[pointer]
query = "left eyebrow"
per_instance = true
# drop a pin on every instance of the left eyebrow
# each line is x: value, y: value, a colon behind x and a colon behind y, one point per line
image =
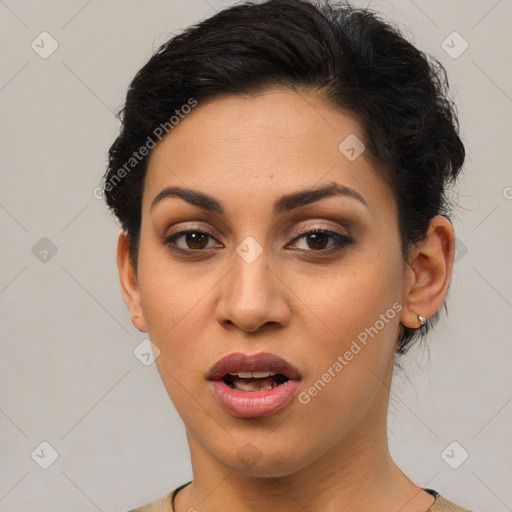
x: 303, y: 197
x: 283, y: 204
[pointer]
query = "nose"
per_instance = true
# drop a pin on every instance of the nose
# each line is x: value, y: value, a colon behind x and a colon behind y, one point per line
x: 252, y: 297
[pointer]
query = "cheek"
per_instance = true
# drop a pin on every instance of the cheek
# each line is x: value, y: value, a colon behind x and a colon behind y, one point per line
x: 175, y: 314
x: 350, y: 368
x: 351, y: 298
x: 169, y: 291
x: 360, y: 321
x: 177, y: 308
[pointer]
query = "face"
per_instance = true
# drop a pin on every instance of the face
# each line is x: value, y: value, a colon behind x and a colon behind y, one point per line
x: 317, y: 280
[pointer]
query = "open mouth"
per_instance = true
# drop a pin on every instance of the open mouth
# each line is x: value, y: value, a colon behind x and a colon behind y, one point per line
x: 254, y: 381
x: 253, y: 385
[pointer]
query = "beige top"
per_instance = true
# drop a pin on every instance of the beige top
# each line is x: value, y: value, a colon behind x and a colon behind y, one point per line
x: 167, y: 503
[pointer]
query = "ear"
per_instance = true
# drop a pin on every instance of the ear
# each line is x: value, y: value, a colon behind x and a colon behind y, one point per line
x: 129, y: 285
x: 428, y: 273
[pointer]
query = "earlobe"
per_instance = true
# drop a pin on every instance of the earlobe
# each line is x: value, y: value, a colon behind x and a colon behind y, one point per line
x: 428, y: 273
x: 129, y: 284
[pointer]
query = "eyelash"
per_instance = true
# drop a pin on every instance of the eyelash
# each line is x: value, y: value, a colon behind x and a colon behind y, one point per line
x: 343, y: 241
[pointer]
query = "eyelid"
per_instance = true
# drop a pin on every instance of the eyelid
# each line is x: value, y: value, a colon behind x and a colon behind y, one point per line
x: 307, y: 229
x: 170, y: 241
x: 341, y: 240
x: 185, y: 229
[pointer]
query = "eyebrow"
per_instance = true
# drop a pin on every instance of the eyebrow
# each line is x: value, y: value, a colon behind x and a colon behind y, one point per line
x: 283, y: 204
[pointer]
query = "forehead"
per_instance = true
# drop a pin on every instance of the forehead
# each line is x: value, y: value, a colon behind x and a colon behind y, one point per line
x: 248, y: 148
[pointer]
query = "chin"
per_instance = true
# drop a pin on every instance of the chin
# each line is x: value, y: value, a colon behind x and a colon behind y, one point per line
x: 255, y: 460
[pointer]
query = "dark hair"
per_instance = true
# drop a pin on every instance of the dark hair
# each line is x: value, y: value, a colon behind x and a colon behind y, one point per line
x: 350, y: 56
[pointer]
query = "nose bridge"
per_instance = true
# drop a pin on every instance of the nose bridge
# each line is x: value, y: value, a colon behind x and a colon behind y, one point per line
x: 251, y: 296
x: 250, y: 272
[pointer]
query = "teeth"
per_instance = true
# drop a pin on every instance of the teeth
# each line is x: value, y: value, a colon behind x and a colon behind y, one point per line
x: 254, y: 385
x: 253, y: 375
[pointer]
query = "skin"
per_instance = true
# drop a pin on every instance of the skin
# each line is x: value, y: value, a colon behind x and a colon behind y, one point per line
x: 295, y: 300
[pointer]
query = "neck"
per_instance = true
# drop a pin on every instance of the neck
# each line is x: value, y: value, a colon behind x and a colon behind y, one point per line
x: 356, y: 474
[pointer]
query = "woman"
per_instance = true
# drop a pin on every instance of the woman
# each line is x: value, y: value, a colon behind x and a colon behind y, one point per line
x: 281, y: 178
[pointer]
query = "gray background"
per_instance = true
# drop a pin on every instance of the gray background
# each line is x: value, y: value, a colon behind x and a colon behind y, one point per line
x: 69, y: 374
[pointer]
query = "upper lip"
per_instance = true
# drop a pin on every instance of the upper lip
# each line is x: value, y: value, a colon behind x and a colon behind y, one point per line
x: 260, y: 362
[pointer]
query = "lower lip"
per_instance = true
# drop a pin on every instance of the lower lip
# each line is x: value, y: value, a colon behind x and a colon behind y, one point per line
x: 254, y: 404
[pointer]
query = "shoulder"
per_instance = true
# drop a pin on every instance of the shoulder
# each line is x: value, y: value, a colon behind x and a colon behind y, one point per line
x: 161, y: 505
x: 443, y: 505
x: 164, y: 504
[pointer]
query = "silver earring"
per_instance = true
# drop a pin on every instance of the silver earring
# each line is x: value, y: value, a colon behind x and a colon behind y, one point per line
x: 422, y: 320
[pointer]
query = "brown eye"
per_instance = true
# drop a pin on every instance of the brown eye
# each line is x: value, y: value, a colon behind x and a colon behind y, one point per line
x: 317, y: 240
x: 322, y: 240
x: 195, y: 240
x: 189, y: 240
